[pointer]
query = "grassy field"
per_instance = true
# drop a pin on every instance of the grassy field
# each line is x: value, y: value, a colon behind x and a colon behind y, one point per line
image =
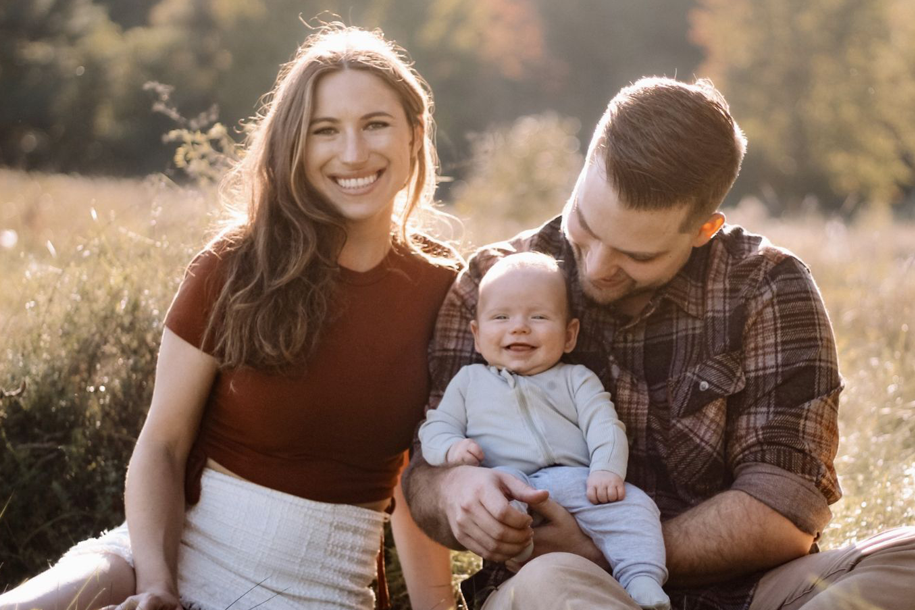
x: 89, y: 266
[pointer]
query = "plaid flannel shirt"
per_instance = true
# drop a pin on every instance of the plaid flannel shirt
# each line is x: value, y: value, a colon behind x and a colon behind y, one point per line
x: 728, y: 379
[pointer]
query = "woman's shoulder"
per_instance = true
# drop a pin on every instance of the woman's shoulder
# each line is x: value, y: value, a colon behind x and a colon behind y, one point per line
x: 210, y: 261
x: 438, y: 257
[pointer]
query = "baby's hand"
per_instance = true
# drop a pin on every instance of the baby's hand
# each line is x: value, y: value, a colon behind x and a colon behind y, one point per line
x: 464, y: 451
x: 604, y: 486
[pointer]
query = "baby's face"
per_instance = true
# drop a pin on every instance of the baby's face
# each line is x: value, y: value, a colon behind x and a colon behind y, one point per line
x: 522, y: 321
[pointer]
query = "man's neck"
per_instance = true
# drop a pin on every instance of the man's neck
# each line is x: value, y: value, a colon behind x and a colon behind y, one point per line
x: 633, y: 306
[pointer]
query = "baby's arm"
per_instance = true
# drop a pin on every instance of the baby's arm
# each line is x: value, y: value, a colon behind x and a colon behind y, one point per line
x: 446, y: 426
x: 605, y: 436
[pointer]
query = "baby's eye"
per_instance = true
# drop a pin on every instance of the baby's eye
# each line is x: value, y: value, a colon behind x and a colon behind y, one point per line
x: 500, y: 316
x: 539, y: 317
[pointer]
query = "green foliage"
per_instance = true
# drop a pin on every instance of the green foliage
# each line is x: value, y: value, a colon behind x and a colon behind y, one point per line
x: 519, y: 176
x: 827, y: 110
x: 77, y: 367
x: 85, y: 350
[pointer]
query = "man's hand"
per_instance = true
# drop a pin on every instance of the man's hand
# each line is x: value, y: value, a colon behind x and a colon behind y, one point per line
x: 560, y: 532
x: 479, y: 513
x: 465, y: 451
x: 605, y: 486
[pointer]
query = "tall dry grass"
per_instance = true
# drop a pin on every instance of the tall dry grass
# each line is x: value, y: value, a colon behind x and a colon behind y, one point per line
x: 84, y: 294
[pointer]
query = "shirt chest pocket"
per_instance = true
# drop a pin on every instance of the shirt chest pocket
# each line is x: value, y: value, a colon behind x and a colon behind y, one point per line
x: 698, y: 424
x: 718, y: 377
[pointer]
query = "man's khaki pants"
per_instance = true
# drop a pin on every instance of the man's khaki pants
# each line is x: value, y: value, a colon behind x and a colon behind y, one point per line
x: 876, y: 574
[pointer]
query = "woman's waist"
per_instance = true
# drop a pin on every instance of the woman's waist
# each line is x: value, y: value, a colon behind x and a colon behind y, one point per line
x: 376, y: 505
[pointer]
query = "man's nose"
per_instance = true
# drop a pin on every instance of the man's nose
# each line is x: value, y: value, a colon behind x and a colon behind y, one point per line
x: 601, y: 263
x: 355, y: 149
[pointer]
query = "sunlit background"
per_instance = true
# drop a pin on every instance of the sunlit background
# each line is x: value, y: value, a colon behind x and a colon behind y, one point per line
x: 117, y: 118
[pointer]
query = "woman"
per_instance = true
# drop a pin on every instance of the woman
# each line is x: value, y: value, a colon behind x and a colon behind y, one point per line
x: 292, y: 370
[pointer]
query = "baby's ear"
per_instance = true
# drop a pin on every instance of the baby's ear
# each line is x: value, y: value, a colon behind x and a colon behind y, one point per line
x: 572, y: 334
x: 475, y: 329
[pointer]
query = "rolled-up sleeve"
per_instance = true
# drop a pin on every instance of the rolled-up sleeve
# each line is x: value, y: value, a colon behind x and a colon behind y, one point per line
x: 784, y: 437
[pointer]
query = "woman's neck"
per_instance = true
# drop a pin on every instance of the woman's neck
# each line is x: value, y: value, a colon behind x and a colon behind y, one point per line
x: 364, y: 250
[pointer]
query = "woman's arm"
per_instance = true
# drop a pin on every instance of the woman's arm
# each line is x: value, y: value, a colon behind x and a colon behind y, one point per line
x: 426, y: 564
x: 155, y: 477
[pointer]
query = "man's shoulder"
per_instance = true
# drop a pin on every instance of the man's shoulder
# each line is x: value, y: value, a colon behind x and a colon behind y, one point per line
x: 742, y: 259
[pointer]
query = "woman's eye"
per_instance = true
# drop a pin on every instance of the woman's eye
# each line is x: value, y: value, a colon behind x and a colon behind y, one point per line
x: 374, y: 125
x: 323, y: 131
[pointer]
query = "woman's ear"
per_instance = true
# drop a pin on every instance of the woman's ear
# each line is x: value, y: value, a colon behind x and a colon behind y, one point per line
x: 417, y: 143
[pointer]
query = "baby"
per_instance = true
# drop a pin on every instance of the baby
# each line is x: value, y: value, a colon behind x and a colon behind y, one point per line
x: 550, y: 424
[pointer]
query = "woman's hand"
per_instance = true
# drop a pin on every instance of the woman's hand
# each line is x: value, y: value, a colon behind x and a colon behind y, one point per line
x: 154, y: 599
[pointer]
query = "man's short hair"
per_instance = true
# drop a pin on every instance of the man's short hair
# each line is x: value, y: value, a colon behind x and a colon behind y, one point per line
x: 665, y: 143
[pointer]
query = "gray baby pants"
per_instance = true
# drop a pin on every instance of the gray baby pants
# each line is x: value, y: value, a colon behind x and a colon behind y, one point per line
x: 628, y: 531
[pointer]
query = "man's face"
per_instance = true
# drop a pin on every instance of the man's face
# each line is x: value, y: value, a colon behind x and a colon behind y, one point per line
x: 624, y: 255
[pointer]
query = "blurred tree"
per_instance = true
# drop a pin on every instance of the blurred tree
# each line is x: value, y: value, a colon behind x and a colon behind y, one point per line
x: 52, y: 72
x: 128, y: 14
x: 520, y: 176
x: 603, y: 45
x: 487, y: 61
x: 828, y: 110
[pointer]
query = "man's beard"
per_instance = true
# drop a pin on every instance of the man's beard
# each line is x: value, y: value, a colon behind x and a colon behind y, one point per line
x: 609, y: 294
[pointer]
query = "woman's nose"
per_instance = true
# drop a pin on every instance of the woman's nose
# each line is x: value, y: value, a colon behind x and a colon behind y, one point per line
x: 355, y: 149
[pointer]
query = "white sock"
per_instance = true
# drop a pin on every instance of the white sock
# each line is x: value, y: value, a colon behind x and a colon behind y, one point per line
x: 648, y: 594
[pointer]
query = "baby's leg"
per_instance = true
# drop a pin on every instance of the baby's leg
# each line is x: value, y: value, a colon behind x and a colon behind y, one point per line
x: 519, y: 505
x: 628, y: 532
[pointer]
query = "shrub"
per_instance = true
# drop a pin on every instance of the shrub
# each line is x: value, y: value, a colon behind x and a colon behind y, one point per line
x: 83, y: 355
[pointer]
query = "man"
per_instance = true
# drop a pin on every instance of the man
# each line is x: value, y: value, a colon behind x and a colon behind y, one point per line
x: 718, y: 352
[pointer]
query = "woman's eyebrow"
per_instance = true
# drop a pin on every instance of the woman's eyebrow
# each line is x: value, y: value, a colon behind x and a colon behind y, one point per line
x: 365, y: 117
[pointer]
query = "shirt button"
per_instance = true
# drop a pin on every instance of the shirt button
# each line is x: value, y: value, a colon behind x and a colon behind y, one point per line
x: 703, y: 386
x: 615, y: 371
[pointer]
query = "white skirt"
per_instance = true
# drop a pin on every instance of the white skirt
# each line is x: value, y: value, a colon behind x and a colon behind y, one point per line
x: 244, y: 545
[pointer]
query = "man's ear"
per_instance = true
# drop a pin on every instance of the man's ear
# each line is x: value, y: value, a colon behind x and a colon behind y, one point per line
x: 571, y: 334
x: 708, y: 229
x: 475, y: 329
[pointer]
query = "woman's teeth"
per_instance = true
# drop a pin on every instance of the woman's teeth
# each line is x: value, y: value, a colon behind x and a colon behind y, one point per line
x: 357, y: 183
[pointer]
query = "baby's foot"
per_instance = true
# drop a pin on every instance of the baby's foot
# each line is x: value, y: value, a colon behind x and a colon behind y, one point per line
x: 648, y: 594
x: 525, y: 554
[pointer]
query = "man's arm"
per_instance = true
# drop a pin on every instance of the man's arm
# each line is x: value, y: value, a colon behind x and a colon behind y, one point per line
x: 727, y: 536
x: 467, y: 507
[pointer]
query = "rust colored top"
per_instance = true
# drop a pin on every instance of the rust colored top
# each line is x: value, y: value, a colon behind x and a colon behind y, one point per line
x: 336, y: 430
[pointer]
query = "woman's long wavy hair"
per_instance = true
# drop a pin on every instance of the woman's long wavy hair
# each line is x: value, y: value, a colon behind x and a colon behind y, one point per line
x: 280, y: 253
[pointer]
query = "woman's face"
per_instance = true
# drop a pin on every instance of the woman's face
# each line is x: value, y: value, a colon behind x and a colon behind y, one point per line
x: 359, y: 147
